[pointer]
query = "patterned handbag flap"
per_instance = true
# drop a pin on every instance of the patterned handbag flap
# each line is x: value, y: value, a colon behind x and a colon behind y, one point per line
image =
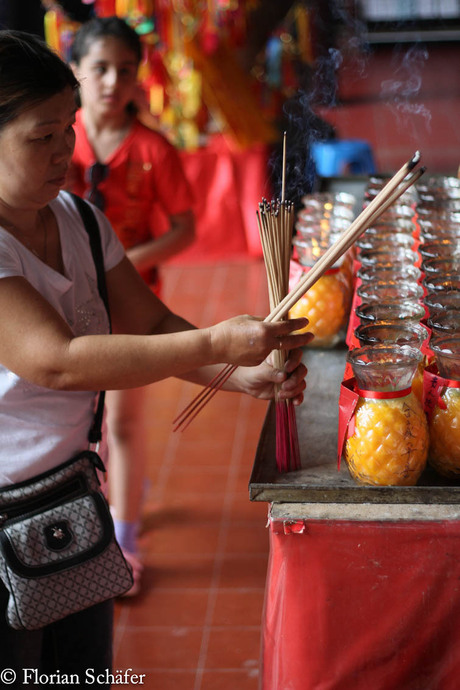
x: 57, y: 538
x: 85, y: 463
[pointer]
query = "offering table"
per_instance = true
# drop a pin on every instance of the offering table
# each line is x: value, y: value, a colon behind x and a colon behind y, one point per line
x: 363, y: 585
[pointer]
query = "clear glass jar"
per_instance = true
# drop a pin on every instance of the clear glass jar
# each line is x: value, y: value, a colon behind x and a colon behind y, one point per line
x: 445, y: 267
x: 322, y: 203
x: 446, y: 322
x: 440, y: 283
x: 377, y: 182
x: 433, y: 203
x: 442, y: 249
x: 400, y: 225
x: 442, y: 186
x: 377, y: 291
x: 440, y: 301
x: 310, y: 250
x: 389, y: 442
x: 389, y: 274
x: 435, y: 229
x: 400, y: 257
x: 414, y: 335
x: 396, y: 211
x: 444, y: 424
x: 402, y: 312
x: 327, y: 303
x: 386, y: 242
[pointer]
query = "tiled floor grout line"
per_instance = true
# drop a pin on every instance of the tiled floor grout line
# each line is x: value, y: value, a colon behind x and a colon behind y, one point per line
x: 119, y: 630
x: 183, y: 399
x: 240, y: 430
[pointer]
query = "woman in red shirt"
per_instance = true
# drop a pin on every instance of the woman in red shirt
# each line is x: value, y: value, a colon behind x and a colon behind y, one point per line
x: 135, y: 176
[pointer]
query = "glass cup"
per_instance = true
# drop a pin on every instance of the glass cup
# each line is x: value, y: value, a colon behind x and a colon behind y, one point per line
x: 412, y: 334
x: 386, y: 242
x: 444, y: 267
x: 400, y: 257
x: 402, y: 312
x: 437, y: 302
x: 378, y: 291
x: 440, y: 283
x: 389, y: 274
x: 399, y: 225
x: 435, y: 229
x: 442, y: 249
x: 396, y: 211
x: 389, y: 442
x: 442, y: 186
x: 444, y: 425
x: 434, y: 203
x: 445, y: 322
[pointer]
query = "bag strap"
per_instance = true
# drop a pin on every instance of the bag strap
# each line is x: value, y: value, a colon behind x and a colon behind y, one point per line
x: 92, y: 228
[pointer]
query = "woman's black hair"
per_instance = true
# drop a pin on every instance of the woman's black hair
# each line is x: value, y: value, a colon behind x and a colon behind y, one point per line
x: 30, y: 72
x: 100, y: 27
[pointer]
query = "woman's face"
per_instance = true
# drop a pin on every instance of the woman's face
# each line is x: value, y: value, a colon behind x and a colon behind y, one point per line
x: 35, y: 152
x: 107, y: 76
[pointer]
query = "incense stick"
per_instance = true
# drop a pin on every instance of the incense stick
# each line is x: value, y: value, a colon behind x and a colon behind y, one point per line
x: 396, y: 186
x: 275, y: 222
x: 283, y: 175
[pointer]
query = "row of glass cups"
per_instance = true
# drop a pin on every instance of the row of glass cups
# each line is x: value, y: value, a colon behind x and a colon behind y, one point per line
x: 398, y: 287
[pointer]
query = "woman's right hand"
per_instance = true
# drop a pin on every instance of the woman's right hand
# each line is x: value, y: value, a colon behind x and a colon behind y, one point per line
x: 247, y: 340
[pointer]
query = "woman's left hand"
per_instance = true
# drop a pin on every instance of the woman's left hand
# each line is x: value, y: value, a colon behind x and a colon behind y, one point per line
x: 260, y: 381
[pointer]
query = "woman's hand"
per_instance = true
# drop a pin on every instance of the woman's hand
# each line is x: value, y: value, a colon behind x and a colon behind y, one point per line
x: 247, y: 341
x: 261, y: 381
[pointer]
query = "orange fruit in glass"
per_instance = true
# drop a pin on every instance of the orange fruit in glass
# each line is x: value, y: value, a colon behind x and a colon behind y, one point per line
x: 389, y: 444
x: 445, y: 435
x: 417, y: 382
x: 326, y: 305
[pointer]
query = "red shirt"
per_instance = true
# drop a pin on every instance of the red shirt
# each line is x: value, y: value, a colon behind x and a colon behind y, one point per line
x: 145, y: 184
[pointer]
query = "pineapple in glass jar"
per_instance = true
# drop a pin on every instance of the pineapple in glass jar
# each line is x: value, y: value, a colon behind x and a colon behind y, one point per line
x: 327, y: 305
x: 444, y: 425
x: 388, y: 443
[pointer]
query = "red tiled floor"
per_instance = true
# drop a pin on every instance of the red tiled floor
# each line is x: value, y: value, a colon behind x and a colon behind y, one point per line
x: 233, y: 647
x: 223, y: 680
x: 159, y: 647
x: 231, y: 607
x: 205, y: 560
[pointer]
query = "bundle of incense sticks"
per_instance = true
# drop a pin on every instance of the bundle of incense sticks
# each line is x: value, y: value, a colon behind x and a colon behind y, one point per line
x: 397, y: 185
x: 275, y: 221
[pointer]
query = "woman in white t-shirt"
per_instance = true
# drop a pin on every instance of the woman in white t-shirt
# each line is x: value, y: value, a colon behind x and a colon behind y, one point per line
x: 55, y: 350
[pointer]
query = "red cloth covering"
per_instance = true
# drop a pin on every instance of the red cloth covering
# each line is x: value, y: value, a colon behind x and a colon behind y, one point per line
x: 362, y: 606
x: 228, y: 184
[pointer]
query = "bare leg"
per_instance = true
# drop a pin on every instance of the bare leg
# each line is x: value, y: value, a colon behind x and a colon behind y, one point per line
x: 127, y: 461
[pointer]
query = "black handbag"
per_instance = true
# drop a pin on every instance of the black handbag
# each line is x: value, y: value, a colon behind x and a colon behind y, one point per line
x: 58, y: 552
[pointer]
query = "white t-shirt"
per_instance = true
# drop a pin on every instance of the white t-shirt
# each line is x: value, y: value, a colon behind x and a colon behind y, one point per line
x: 39, y: 427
